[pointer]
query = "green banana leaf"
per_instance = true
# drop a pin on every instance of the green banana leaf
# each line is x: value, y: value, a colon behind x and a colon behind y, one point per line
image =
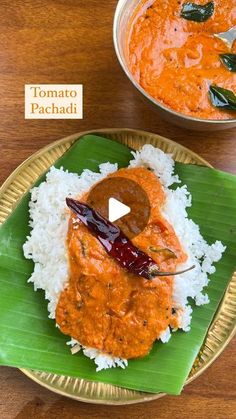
x: 29, y: 339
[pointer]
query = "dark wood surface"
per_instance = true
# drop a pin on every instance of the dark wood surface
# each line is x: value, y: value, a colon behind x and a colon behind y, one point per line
x: 58, y: 41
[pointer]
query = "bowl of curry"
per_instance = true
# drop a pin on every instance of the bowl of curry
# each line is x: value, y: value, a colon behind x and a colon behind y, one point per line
x: 181, y: 57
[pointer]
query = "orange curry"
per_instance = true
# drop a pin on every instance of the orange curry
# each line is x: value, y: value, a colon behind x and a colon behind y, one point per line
x: 106, y: 307
x: 175, y: 60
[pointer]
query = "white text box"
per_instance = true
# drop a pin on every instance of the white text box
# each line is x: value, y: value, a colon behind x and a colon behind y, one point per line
x: 53, y: 101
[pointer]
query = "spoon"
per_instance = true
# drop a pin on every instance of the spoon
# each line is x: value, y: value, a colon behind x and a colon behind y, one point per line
x: 228, y: 37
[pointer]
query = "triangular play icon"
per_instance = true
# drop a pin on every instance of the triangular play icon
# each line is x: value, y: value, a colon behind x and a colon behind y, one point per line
x: 116, y: 209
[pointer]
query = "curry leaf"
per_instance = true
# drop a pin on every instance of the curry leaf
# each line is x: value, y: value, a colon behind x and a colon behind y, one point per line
x: 197, y: 12
x: 229, y: 61
x: 222, y: 98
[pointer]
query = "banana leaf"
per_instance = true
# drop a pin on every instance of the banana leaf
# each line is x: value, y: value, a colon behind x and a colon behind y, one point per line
x: 29, y: 339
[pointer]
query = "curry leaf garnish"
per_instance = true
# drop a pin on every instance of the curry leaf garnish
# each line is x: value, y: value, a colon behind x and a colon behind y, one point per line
x: 229, y: 61
x: 197, y: 12
x: 222, y: 98
x: 165, y: 252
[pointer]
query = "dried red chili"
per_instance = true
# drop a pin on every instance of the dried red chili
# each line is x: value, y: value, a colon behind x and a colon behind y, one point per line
x: 116, y: 243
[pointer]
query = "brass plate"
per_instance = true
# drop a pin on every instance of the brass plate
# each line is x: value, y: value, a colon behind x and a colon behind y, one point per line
x: 222, y: 327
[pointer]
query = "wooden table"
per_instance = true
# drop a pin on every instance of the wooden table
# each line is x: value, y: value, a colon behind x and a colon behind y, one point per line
x: 58, y: 41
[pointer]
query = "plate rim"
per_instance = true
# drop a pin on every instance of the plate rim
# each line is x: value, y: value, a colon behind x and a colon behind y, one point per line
x: 77, y: 135
x: 106, y: 132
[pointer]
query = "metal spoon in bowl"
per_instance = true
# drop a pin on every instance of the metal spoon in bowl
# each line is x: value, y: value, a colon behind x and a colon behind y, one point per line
x: 228, y: 37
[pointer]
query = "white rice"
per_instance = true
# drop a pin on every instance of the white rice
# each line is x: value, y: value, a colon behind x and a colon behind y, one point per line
x: 49, y: 222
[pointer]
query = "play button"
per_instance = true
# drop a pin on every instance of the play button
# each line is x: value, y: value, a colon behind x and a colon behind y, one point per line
x: 123, y: 202
x: 116, y: 210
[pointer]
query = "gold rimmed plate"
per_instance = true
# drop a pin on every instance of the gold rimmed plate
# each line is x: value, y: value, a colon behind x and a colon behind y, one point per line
x: 222, y: 327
